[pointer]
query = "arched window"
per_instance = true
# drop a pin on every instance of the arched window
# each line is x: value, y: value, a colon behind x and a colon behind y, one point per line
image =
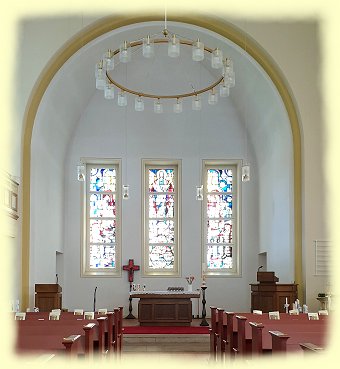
x: 161, y: 189
x: 221, y: 246
x: 102, y: 219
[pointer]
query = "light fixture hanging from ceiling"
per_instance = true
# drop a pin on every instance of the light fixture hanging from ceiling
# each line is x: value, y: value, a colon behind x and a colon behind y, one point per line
x: 81, y: 172
x: 105, y: 81
x: 245, y: 170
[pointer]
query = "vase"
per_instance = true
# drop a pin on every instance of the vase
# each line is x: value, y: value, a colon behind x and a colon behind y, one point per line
x: 190, y: 287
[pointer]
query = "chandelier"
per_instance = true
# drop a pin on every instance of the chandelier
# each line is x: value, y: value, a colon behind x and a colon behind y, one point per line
x: 174, y: 43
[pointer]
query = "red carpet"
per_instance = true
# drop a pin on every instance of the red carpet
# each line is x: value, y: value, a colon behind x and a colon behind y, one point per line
x: 166, y: 330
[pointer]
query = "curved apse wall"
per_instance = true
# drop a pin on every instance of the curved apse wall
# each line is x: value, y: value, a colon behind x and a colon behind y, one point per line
x: 95, y: 129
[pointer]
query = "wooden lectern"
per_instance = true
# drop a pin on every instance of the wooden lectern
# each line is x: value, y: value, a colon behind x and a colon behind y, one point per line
x: 267, y: 295
x: 47, y: 297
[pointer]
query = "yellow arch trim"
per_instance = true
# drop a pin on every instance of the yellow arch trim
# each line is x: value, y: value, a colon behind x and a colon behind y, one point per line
x: 110, y: 23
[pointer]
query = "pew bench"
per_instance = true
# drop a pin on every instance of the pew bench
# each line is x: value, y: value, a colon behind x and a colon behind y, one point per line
x: 102, y: 335
x: 265, y: 336
x: 311, y: 348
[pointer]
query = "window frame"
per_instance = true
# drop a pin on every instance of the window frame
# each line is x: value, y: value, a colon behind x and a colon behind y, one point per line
x: 86, y: 271
x: 234, y: 164
x: 161, y: 164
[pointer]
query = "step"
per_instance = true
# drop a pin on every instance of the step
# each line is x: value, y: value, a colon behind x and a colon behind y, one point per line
x: 165, y: 338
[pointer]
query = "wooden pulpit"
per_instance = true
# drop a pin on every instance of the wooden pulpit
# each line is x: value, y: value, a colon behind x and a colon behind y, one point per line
x: 267, y: 295
x: 48, y: 296
x: 267, y: 277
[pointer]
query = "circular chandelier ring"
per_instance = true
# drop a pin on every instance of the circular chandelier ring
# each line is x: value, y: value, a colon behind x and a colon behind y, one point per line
x: 177, y: 96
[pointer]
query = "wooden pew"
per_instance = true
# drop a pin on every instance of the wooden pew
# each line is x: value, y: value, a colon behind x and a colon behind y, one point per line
x: 116, y: 333
x: 213, y: 333
x: 244, y: 342
x: 40, y: 334
x: 72, y: 344
x: 89, y: 339
x: 266, y: 336
x: 103, y: 333
x: 311, y: 348
x: 279, y: 342
x: 221, y: 335
x: 299, y: 328
x: 120, y: 329
x: 231, y: 335
x: 102, y: 328
x: 228, y: 347
x: 110, y: 331
x: 278, y: 345
x: 256, y: 341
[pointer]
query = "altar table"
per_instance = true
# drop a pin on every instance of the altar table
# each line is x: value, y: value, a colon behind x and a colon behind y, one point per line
x: 164, y: 308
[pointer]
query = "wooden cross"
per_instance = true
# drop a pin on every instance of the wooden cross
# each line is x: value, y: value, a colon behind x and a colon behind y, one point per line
x: 130, y: 268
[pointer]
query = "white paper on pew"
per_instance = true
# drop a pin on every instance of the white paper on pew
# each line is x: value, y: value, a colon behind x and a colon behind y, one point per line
x: 41, y: 319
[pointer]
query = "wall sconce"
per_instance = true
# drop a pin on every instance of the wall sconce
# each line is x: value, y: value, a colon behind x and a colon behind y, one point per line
x: 199, y: 193
x: 81, y: 173
x: 125, y: 192
x: 245, y: 173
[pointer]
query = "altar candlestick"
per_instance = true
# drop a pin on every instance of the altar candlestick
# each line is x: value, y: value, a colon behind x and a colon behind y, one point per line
x: 203, y: 270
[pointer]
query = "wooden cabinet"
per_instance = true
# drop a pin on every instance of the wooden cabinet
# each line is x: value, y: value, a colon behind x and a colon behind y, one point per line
x: 48, y: 297
x: 267, y: 295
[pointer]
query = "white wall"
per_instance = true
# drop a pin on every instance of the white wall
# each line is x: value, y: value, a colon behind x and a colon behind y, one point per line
x: 299, y: 61
x: 101, y: 133
x: 297, y: 49
x: 47, y: 197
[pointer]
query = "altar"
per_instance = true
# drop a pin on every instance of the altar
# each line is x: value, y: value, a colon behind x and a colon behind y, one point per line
x: 164, y: 308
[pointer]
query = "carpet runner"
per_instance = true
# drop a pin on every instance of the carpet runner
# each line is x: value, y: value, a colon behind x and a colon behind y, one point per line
x: 165, y: 330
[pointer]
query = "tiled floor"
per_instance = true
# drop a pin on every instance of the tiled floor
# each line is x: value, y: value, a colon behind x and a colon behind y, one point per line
x: 161, y: 346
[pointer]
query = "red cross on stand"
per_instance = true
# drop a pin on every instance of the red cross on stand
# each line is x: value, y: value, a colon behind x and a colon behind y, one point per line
x: 130, y: 268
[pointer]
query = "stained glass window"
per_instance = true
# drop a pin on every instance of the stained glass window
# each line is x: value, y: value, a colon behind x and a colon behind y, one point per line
x: 161, y: 206
x: 220, y: 218
x: 219, y: 180
x: 103, y: 179
x: 161, y: 218
x: 103, y: 220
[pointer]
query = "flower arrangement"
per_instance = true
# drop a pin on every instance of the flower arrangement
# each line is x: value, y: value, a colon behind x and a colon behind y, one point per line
x: 190, y: 279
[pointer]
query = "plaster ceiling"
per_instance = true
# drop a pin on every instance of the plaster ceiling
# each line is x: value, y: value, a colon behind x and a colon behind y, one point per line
x: 73, y: 87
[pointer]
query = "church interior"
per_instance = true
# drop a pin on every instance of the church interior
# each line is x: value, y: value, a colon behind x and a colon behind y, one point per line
x: 265, y: 134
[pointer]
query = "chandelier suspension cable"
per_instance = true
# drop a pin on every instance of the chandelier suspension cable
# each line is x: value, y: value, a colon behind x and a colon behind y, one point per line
x: 246, y: 167
x: 126, y: 186
x: 126, y: 135
x: 199, y: 187
x: 246, y: 102
x: 165, y: 19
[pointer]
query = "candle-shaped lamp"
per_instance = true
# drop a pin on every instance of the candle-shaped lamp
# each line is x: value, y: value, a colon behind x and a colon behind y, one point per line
x: 203, y: 273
